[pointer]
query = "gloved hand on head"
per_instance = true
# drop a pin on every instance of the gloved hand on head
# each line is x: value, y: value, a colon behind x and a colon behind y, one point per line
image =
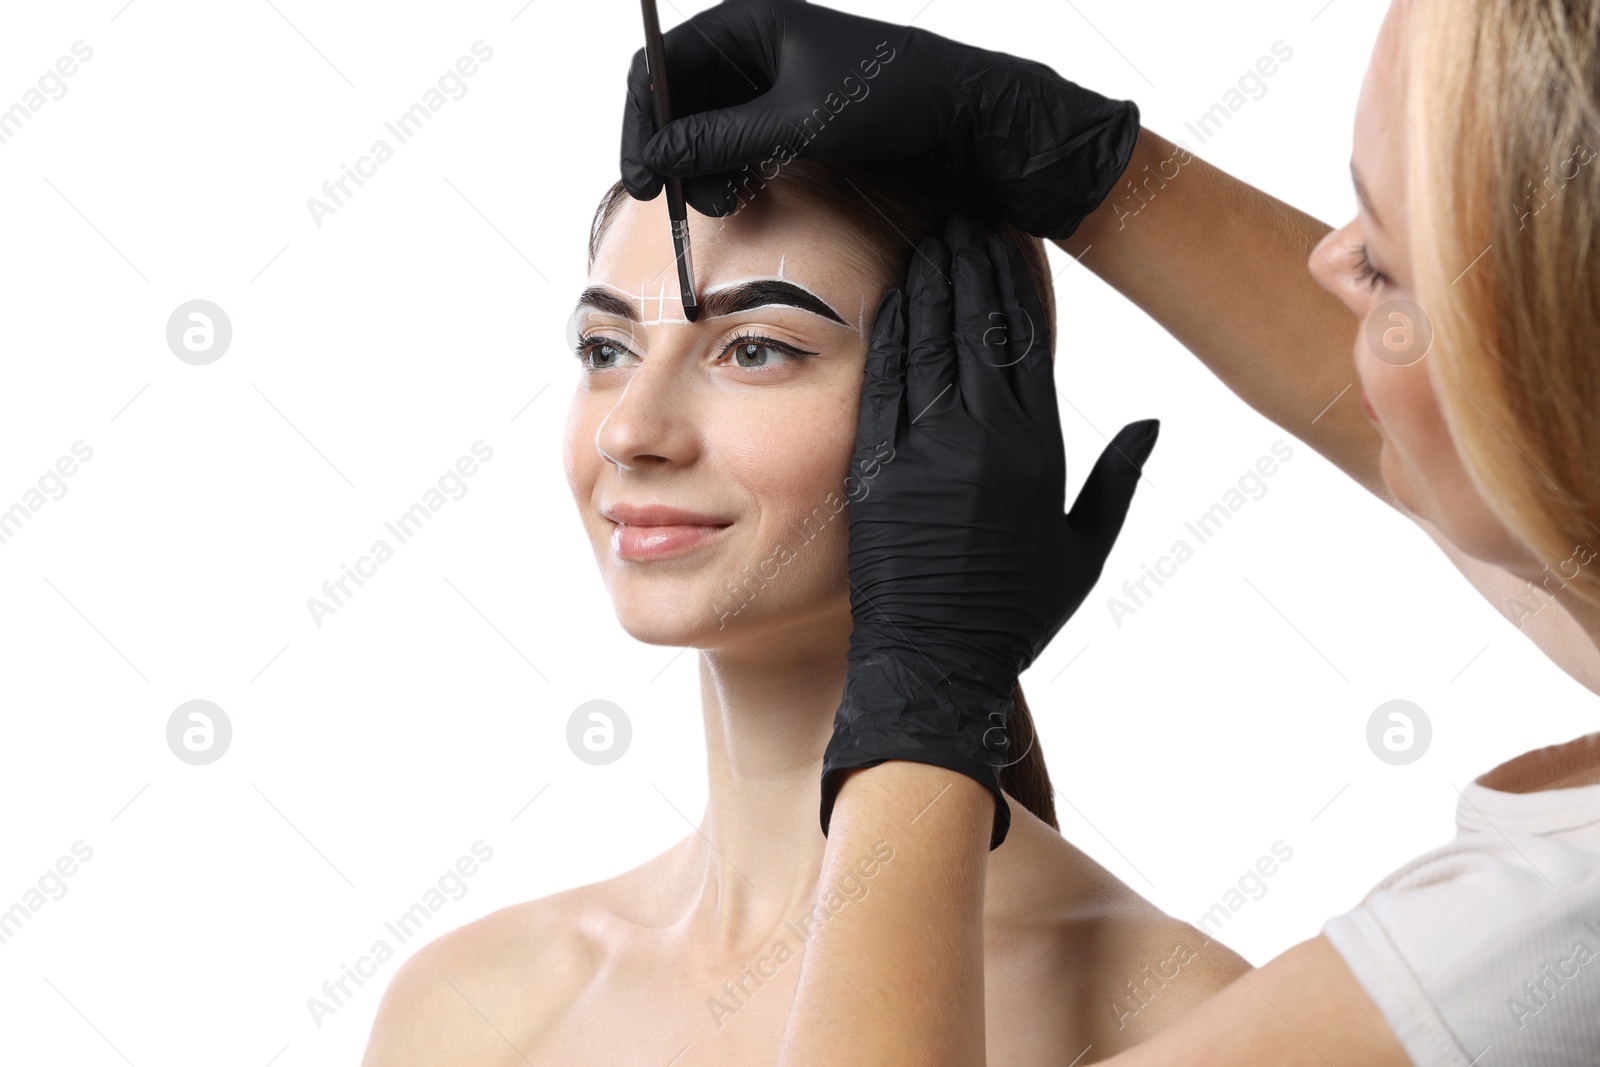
x: 768, y: 80
x: 963, y: 564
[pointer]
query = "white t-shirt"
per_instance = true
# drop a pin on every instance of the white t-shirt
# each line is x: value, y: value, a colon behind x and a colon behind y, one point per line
x: 1486, y: 952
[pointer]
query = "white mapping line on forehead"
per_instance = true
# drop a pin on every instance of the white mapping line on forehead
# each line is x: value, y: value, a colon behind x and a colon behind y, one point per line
x: 598, y: 297
x: 661, y: 302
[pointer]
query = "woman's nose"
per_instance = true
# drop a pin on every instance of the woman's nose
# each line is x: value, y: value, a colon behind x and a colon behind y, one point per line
x: 654, y: 420
x: 1324, y: 264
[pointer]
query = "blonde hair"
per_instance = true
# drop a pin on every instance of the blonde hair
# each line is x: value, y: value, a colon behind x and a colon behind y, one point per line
x: 1503, y: 123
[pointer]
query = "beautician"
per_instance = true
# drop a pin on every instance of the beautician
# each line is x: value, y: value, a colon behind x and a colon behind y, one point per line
x: 1478, y: 417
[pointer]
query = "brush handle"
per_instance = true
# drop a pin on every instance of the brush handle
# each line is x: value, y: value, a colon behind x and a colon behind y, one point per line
x: 655, y: 57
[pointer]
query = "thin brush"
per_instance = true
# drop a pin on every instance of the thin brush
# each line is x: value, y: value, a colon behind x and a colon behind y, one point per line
x: 655, y: 54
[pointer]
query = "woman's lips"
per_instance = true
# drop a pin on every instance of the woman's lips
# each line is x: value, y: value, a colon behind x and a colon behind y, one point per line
x: 1366, y: 405
x: 660, y: 542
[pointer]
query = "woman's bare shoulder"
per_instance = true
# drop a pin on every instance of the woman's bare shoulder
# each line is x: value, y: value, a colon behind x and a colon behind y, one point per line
x: 1132, y: 968
x: 494, y: 989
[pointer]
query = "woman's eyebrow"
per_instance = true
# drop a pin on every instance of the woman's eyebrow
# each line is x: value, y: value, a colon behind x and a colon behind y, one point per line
x: 604, y: 300
x: 727, y: 299
x: 1361, y: 194
x: 764, y: 292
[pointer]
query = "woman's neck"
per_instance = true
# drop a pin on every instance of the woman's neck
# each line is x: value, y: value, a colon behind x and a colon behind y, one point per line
x: 1584, y: 644
x: 1577, y: 762
x: 768, y: 706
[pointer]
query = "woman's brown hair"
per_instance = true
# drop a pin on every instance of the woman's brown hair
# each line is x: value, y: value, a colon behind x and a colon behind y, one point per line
x: 890, y: 207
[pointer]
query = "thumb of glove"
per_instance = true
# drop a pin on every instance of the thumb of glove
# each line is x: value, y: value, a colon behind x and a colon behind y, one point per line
x: 1102, y: 505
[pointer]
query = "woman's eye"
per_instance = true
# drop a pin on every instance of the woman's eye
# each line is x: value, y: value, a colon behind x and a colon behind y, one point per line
x: 1367, y: 272
x: 753, y: 354
x: 758, y: 353
x: 596, y: 353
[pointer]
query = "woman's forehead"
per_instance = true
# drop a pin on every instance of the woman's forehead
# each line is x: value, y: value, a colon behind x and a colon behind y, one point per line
x: 788, y: 240
x: 1379, y: 143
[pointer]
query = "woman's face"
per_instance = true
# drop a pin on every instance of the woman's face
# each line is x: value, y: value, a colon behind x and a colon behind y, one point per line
x: 1419, y: 459
x: 753, y: 437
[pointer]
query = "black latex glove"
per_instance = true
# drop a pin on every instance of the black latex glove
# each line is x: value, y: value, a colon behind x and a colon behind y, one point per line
x: 749, y: 76
x: 963, y: 565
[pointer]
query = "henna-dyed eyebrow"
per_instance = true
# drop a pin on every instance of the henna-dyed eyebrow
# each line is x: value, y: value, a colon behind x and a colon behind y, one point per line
x: 607, y: 301
x: 762, y: 293
x: 729, y: 300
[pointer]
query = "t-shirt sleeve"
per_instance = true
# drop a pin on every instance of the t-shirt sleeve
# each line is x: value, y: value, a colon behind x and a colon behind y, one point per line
x: 1485, y: 953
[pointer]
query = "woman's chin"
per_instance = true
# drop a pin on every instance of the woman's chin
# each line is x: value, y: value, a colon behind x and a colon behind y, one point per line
x: 1461, y: 517
x: 1394, y: 476
x: 675, y: 617
x: 669, y: 632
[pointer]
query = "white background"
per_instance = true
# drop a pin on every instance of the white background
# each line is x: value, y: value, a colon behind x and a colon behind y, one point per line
x: 427, y: 314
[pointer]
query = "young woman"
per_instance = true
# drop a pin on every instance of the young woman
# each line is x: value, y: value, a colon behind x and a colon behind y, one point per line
x: 712, y: 466
x: 1469, y: 283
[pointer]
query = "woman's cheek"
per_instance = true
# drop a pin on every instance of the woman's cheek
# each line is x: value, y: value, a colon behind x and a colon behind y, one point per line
x: 798, y: 458
x: 572, y: 438
x: 580, y: 450
x: 1404, y: 415
x: 1433, y: 479
x: 791, y: 455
